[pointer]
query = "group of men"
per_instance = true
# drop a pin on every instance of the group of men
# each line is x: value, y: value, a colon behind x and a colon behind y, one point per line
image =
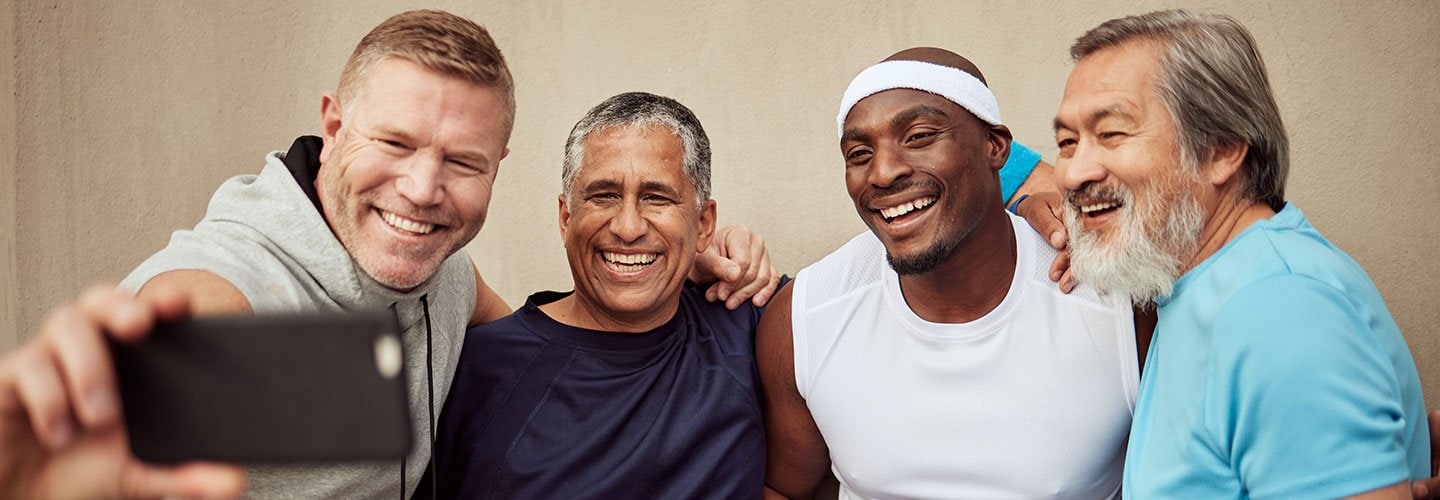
x: 932, y: 356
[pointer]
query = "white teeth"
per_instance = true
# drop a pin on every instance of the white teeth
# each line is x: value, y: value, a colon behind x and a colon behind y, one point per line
x: 628, y: 263
x: 907, y: 207
x: 406, y: 225
x: 1098, y: 207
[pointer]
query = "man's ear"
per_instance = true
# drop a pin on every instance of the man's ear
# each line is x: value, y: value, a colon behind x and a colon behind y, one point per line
x: 1224, y: 163
x: 707, y: 226
x: 999, y: 143
x: 330, y: 122
x: 564, y: 217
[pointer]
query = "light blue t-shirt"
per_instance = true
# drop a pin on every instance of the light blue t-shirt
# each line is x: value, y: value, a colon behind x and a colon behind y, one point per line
x: 1018, y: 165
x: 1276, y: 372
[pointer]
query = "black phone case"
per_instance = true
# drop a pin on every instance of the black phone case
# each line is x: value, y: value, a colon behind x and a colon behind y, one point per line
x: 265, y: 389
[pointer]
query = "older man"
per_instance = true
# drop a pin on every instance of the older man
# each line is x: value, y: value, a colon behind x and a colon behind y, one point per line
x: 370, y: 215
x: 632, y: 385
x: 1276, y: 370
x: 931, y: 357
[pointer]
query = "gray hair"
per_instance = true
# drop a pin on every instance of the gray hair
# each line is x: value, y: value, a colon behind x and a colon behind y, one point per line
x: 641, y: 109
x: 1215, y: 87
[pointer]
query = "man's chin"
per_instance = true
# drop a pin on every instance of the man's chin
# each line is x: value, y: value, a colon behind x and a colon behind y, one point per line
x: 400, y: 277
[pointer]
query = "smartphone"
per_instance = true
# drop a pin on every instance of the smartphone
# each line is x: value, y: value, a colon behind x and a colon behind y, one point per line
x: 267, y: 389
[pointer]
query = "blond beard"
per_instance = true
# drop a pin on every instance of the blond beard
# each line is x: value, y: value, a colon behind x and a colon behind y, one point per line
x: 1150, y: 245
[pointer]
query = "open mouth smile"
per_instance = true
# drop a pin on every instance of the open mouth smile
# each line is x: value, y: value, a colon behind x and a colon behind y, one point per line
x: 1099, y: 208
x: 626, y: 263
x: 891, y: 214
x: 406, y: 225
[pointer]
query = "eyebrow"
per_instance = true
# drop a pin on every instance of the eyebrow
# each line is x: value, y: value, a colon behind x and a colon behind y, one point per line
x: 408, y: 138
x: 645, y: 186
x: 898, y: 122
x: 910, y: 115
x: 601, y: 185
x: 1118, y: 111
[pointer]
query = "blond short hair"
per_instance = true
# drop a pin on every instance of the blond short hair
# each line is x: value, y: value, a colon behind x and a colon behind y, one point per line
x: 439, y: 41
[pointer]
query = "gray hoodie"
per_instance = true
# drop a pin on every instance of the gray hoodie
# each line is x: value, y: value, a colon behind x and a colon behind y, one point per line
x: 264, y: 234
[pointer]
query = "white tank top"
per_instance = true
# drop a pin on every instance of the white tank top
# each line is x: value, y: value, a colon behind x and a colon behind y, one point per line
x: 1033, y: 400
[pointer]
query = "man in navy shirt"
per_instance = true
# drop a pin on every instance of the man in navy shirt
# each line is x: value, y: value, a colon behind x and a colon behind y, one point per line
x: 632, y: 385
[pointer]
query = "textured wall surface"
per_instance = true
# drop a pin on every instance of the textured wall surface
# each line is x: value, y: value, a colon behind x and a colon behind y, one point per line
x: 9, y: 321
x: 130, y: 113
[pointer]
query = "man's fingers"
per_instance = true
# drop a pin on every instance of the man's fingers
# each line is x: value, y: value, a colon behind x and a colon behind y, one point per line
x: 1059, y: 266
x: 769, y: 290
x: 1041, y: 211
x: 42, y: 395
x: 756, y: 283
x: 1067, y: 282
x: 196, y: 480
x: 711, y: 265
x: 117, y: 312
x: 738, y: 248
x: 168, y: 304
x: 77, y: 344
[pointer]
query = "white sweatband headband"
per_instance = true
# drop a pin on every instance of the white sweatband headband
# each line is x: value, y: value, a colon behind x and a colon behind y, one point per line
x: 958, y: 86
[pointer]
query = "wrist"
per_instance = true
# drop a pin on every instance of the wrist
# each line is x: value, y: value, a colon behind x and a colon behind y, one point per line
x: 1014, y: 207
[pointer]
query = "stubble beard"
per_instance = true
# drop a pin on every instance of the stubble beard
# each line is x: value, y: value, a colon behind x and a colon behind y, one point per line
x: 1151, y: 245
x: 368, y: 255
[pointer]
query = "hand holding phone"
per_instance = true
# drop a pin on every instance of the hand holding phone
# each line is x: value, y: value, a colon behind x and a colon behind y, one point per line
x: 319, y: 387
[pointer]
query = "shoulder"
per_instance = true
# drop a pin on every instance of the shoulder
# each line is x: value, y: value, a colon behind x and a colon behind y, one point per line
x: 735, y: 327
x: 857, y: 264
x: 1281, y: 310
x: 1033, y: 267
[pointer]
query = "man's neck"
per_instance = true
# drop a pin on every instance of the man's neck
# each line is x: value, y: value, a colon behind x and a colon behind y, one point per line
x: 973, y: 281
x: 574, y: 310
x: 1228, y: 220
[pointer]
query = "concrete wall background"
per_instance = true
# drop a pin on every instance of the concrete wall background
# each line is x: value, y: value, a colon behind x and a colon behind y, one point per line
x: 128, y: 114
x: 9, y: 320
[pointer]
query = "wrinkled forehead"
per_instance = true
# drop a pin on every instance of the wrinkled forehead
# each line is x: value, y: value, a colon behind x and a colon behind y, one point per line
x: 640, y: 154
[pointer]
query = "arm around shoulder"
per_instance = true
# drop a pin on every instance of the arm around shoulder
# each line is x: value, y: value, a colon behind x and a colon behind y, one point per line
x: 796, y: 456
x: 488, y: 304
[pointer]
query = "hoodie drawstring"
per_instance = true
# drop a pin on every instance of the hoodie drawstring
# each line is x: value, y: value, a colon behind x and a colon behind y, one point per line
x: 430, y: 396
x: 430, y: 402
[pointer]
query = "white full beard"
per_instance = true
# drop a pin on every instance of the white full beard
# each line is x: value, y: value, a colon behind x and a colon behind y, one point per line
x: 1141, y: 261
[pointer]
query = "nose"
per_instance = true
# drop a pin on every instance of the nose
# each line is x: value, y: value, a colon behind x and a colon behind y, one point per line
x: 887, y: 167
x: 1083, y: 166
x: 421, y: 180
x: 629, y: 225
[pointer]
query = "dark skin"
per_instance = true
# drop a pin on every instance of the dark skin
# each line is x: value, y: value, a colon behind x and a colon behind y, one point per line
x: 900, y: 145
x: 908, y: 138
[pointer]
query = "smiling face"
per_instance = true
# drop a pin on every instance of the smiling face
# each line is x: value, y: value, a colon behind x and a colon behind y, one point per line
x: 922, y: 173
x: 407, y: 170
x: 1133, y: 210
x: 632, y: 228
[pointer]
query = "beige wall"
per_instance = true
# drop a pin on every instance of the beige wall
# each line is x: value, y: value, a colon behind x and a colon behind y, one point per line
x: 9, y: 333
x: 129, y: 113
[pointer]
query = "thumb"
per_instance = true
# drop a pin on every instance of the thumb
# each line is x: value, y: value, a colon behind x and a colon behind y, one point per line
x: 194, y: 480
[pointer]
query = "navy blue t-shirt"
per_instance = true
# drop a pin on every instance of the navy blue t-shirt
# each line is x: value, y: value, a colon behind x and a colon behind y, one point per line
x: 539, y: 409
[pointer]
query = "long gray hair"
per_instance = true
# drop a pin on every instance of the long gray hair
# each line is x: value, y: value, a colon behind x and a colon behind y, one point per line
x: 1214, y: 84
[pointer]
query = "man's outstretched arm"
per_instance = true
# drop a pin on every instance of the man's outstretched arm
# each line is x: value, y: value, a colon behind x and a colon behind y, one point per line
x: 796, y: 458
x: 60, y: 417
